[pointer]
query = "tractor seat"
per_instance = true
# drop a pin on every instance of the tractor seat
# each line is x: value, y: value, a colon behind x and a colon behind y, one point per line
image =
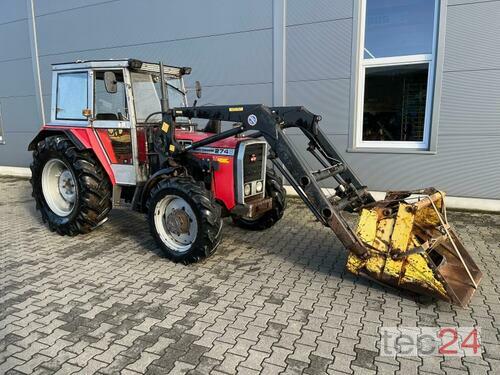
x: 106, y: 116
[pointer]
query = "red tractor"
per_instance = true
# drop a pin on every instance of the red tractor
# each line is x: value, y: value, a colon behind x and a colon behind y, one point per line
x: 106, y: 142
x: 122, y: 130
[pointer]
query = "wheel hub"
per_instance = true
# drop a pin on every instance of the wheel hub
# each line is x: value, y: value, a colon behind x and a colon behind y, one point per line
x: 178, y: 222
x: 67, y: 186
x: 59, y: 187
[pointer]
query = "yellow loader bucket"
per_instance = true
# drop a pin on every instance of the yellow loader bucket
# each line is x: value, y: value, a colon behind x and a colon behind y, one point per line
x: 413, y: 247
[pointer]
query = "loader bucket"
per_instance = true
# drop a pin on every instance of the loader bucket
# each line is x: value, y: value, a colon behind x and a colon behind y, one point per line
x: 412, y: 246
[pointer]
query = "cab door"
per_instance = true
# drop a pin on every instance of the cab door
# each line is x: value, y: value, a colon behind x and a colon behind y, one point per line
x: 113, y: 122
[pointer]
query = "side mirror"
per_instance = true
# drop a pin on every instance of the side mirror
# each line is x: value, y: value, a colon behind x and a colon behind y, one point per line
x: 197, y: 88
x: 110, y: 82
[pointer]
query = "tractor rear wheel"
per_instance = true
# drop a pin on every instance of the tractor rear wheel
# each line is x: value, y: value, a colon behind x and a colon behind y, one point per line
x: 70, y: 187
x: 184, y: 219
x: 275, y: 190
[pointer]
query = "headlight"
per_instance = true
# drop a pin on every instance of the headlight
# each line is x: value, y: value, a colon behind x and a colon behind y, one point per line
x: 248, y: 189
x: 258, y: 186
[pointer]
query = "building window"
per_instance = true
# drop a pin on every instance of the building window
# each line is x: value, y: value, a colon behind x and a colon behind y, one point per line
x: 398, y: 41
x: 72, y: 96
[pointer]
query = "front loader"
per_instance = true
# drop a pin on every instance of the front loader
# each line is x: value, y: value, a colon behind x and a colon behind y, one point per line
x: 404, y: 241
x: 149, y: 152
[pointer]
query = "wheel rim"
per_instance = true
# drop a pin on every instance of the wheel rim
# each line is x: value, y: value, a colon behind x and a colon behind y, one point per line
x: 175, y: 223
x: 59, y: 187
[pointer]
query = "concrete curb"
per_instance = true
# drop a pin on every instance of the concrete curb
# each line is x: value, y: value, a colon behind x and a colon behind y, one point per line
x: 15, y: 172
x: 456, y: 203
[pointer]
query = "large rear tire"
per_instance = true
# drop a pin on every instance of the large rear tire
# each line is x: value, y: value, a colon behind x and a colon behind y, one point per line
x: 70, y: 187
x: 275, y: 190
x: 184, y: 219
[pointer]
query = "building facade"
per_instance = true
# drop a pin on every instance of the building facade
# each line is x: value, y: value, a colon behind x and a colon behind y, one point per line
x: 409, y: 90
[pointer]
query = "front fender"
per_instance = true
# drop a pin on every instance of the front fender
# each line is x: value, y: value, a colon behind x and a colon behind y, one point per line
x: 150, y: 183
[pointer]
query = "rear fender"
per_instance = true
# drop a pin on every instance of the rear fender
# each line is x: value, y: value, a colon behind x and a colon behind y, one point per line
x: 82, y: 139
x: 44, y: 133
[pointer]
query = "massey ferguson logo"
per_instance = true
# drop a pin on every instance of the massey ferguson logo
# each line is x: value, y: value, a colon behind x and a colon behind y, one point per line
x: 253, y: 158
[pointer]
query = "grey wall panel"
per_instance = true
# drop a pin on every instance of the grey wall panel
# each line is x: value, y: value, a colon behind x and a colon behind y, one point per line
x: 472, y: 33
x: 319, y: 50
x: 20, y: 114
x: 16, y: 78
x: 219, y: 60
x: 12, y: 10
x: 462, y: 2
x: 14, y: 40
x: 470, y: 103
x: 47, y: 102
x: 244, y: 94
x: 328, y: 98
x: 300, y: 11
x: 476, y: 175
x: 14, y: 152
x: 130, y: 22
x: 52, y: 6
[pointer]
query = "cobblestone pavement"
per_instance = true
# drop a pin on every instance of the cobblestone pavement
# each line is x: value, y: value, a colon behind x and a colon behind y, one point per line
x: 266, y: 302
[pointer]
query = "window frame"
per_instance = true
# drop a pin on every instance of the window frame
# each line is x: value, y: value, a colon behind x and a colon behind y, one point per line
x: 57, y: 96
x: 125, y: 93
x: 53, y: 110
x: 363, y: 64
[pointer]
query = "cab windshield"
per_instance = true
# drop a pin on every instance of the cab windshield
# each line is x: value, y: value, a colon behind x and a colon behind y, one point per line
x: 147, y: 93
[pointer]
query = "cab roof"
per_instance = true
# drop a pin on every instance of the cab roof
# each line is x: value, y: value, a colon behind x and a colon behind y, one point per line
x: 132, y: 64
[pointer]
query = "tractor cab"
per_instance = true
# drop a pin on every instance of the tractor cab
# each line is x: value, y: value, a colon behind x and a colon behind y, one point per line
x: 119, y: 99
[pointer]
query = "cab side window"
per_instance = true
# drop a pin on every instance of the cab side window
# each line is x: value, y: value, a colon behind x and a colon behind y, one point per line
x: 110, y: 106
x: 71, y: 96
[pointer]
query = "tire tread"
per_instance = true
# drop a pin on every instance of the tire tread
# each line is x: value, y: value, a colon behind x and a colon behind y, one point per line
x: 93, y: 183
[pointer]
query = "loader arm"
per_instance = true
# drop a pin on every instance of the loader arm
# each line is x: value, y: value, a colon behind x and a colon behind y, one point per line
x: 270, y: 124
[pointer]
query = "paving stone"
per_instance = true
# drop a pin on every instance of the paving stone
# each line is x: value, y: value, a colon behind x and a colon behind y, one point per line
x: 229, y: 363
x: 57, y: 361
x: 218, y: 350
x: 109, y: 355
x: 143, y: 362
x: 67, y: 369
x: 160, y: 346
x: 92, y: 367
x: 82, y: 359
x: 29, y: 366
x: 33, y: 349
x: 254, y: 360
x: 9, y: 363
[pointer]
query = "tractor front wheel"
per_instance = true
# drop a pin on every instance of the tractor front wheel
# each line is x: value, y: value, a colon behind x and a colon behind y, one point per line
x: 275, y: 190
x: 70, y: 187
x: 184, y: 219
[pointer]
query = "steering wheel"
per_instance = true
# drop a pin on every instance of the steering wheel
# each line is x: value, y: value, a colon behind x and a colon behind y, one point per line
x: 151, y: 115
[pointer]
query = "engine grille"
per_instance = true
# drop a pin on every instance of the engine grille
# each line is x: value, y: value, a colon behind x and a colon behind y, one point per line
x: 253, y: 162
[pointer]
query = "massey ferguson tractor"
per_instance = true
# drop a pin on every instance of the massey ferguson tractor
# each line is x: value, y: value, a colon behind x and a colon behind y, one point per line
x: 122, y: 131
